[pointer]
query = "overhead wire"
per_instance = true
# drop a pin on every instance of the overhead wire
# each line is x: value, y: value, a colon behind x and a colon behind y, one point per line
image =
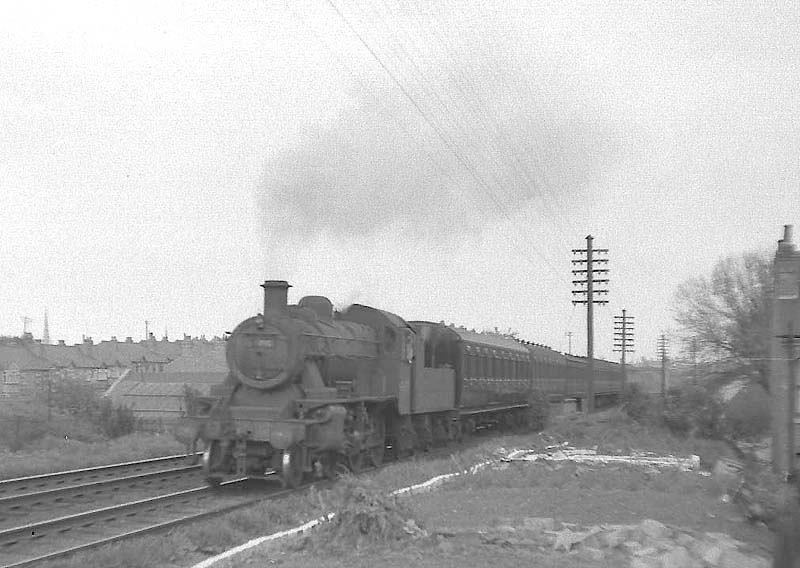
x: 514, y: 169
x: 449, y: 143
x: 367, y: 88
x: 522, y: 86
x: 488, y: 119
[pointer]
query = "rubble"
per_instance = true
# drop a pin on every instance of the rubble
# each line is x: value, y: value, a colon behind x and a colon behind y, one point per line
x: 564, y: 452
x: 649, y: 544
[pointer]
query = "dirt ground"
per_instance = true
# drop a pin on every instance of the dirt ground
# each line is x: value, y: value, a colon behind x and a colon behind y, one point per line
x: 516, y: 514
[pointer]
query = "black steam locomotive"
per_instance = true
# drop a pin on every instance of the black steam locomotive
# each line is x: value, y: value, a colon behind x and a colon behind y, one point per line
x: 311, y: 390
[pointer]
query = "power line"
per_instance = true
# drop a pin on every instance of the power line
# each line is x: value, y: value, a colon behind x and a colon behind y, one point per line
x: 487, y: 118
x: 447, y: 142
x: 366, y: 87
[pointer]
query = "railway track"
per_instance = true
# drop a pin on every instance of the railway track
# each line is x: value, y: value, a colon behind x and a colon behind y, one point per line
x: 46, y: 481
x: 33, y: 543
x: 27, y: 506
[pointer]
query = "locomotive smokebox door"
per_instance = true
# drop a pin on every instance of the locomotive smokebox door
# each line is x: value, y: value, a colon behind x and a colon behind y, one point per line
x: 265, y: 354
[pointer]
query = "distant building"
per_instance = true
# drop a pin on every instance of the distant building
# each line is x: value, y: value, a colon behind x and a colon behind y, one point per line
x: 26, y: 362
x: 157, y: 406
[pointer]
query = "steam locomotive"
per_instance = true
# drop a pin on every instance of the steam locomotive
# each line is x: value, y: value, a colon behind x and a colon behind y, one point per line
x: 310, y: 390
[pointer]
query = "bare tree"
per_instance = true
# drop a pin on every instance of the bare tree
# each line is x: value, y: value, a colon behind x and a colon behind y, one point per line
x: 726, y: 317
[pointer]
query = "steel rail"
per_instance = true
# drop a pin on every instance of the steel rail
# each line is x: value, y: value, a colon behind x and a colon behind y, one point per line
x: 62, y: 495
x: 34, y: 531
x: 30, y: 483
x: 183, y: 519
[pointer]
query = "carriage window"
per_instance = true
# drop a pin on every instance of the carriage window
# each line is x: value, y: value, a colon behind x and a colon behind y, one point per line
x: 409, y: 347
x: 389, y: 338
x: 429, y: 354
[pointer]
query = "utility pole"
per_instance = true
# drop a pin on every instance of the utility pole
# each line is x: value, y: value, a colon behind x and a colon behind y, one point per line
x: 589, y: 291
x: 49, y: 397
x: 623, y: 339
x: 146, y: 330
x: 569, y: 339
x: 663, y: 345
x: 25, y: 321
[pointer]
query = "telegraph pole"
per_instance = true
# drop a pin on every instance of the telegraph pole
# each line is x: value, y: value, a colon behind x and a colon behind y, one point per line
x: 590, y: 301
x: 663, y: 345
x: 569, y: 338
x: 146, y: 330
x: 623, y: 339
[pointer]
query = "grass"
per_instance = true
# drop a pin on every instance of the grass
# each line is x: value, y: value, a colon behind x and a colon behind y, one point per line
x: 56, y: 454
x: 375, y: 528
x: 187, y: 545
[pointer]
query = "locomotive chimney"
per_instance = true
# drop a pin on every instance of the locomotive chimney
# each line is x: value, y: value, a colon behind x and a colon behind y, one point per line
x: 787, y: 242
x: 276, y: 293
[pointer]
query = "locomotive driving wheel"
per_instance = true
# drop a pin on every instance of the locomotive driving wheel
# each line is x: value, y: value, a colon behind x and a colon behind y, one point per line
x: 211, y: 463
x: 292, y: 467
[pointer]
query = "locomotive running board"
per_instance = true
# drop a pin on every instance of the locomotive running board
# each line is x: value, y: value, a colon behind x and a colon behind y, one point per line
x: 473, y: 411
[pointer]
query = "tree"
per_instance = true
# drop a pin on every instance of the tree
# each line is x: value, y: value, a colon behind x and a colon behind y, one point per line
x: 726, y: 317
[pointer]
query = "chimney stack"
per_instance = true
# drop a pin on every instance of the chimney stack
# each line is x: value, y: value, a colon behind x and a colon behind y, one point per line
x: 787, y: 242
x: 276, y: 294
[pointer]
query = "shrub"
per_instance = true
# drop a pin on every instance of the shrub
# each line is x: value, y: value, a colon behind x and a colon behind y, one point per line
x: 691, y: 410
x: 62, y: 409
x: 635, y: 402
x: 747, y: 415
x: 79, y: 399
x: 115, y: 421
x: 538, y: 410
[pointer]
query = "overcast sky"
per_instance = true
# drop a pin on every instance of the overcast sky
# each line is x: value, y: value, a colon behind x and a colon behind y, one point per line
x: 158, y: 160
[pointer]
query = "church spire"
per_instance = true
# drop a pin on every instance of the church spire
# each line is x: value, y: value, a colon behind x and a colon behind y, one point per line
x: 46, y: 330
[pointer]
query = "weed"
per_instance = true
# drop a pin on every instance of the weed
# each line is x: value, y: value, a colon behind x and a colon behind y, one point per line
x: 538, y: 410
x: 364, y: 515
x: 692, y: 411
x: 634, y: 401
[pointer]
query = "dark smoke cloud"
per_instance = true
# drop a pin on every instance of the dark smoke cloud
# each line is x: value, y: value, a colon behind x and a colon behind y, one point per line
x: 381, y: 165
